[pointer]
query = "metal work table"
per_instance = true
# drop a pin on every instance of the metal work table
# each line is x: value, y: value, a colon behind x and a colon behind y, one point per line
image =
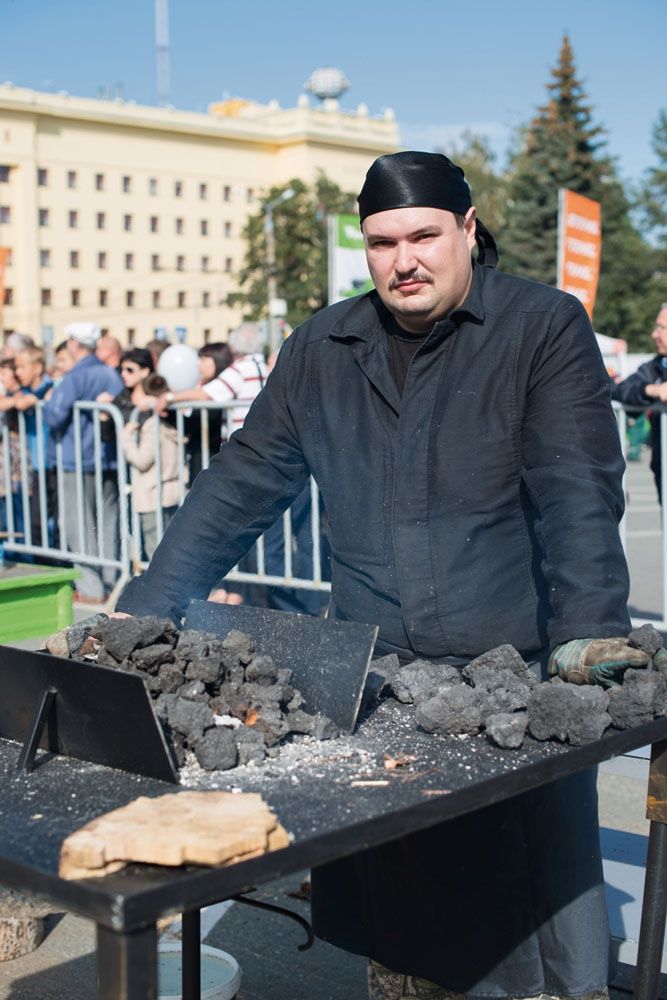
x: 333, y: 798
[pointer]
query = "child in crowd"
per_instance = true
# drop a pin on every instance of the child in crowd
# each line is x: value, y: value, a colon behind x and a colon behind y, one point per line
x: 139, y: 445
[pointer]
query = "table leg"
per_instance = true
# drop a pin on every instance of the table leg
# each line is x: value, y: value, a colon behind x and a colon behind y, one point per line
x: 127, y: 964
x: 654, y: 905
x: 191, y: 952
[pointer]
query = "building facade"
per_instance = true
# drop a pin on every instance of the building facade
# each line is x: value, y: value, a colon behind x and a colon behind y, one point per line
x: 133, y: 216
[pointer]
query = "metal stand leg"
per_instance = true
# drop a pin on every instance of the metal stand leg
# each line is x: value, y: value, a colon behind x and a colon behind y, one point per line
x: 27, y: 757
x: 127, y: 964
x: 654, y: 905
x: 191, y: 952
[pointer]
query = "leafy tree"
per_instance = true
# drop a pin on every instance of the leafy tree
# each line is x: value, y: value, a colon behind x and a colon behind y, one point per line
x: 488, y: 186
x: 653, y: 204
x: 563, y: 147
x: 300, y: 226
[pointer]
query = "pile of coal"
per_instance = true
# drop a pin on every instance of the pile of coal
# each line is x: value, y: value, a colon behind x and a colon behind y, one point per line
x: 215, y: 697
x: 498, y: 694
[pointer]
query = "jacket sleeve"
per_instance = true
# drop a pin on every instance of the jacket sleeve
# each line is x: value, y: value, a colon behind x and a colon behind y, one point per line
x: 630, y: 391
x: 58, y: 409
x: 249, y: 483
x: 141, y: 453
x: 573, y: 468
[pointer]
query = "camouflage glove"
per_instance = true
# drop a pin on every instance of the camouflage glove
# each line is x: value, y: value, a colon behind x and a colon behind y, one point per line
x: 595, y: 661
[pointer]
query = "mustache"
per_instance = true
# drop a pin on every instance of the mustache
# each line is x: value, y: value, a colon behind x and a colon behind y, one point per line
x: 413, y: 276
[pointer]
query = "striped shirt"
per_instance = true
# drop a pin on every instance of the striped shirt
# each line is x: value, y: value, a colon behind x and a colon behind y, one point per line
x: 241, y: 381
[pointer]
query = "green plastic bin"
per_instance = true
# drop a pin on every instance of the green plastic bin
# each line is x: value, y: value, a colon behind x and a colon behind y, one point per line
x: 34, y: 600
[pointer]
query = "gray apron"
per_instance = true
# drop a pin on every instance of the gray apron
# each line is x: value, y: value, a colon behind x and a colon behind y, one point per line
x: 507, y: 901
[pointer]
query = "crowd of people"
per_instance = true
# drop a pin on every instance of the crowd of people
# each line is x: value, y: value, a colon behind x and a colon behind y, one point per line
x: 95, y: 368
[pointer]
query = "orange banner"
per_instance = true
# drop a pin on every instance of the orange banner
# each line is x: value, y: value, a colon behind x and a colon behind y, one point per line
x: 579, y: 246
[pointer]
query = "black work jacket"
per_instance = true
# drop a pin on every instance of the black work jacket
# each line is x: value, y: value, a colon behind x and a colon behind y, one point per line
x: 479, y: 509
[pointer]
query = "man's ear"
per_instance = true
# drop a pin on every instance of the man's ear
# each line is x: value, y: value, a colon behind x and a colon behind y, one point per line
x: 470, y: 226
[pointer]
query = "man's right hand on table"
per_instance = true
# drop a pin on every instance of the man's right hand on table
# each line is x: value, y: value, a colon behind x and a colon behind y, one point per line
x: 595, y: 661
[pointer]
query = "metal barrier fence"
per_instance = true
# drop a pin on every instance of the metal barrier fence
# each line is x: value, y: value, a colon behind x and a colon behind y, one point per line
x: 101, y: 491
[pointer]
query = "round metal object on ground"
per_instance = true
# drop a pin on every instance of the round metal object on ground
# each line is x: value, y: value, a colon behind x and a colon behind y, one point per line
x: 220, y: 973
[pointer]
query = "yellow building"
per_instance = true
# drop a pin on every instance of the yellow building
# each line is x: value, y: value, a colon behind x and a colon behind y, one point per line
x: 132, y: 216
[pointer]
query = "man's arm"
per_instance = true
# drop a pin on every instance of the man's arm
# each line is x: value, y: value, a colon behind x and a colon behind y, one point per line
x: 572, y: 468
x: 58, y: 409
x: 640, y: 388
x: 248, y: 484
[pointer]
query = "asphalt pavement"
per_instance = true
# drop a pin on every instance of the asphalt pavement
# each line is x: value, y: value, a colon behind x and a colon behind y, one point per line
x: 63, y: 967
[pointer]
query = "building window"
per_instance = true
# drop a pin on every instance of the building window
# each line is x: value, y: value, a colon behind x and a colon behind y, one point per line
x: 74, y: 258
x: 71, y: 179
x: 155, y: 262
x: 156, y: 300
x: 73, y: 219
x: 206, y: 299
x: 75, y: 296
x: 152, y: 185
x: 100, y: 220
x: 178, y: 189
x: 227, y: 229
x: 46, y: 297
x: 5, y: 213
x: 153, y: 224
x: 99, y: 182
x: 250, y: 195
x: 179, y: 227
x: 226, y: 193
x: 203, y: 191
x: 43, y: 216
x: 42, y: 177
x: 129, y: 261
x: 228, y: 265
x: 103, y: 298
x: 207, y: 335
x: 204, y: 263
x: 9, y: 297
x: 130, y: 334
x: 129, y: 299
x: 203, y: 227
x: 4, y: 173
x: 45, y: 258
x: 126, y: 184
x: 102, y: 260
x: 181, y: 300
x: 180, y: 262
x: 127, y: 223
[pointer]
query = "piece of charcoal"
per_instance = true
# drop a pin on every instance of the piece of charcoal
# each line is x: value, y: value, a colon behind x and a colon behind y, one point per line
x: 568, y: 712
x: 273, y: 726
x: 548, y: 709
x: 646, y: 638
x: 238, y: 645
x: 503, y: 657
x: 324, y: 729
x: 284, y: 675
x: 207, y: 669
x: 295, y: 703
x: 639, y: 699
x: 176, y: 744
x: 152, y: 682
x: 507, y: 729
x: 193, y: 644
x: 381, y: 673
x: 121, y: 636
x: 455, y: 710
x: 190, y: 718
x: 301, y: 722
x: 216, y: 750
x: 169, y: 678
x: 150, y: 658
x: 261, y: 670
x: 421, y: 680
x: 163, y: 706
x: 193, y: 691
x: 500, y: 689
x: 250, y: 744
x: 105, y: 659
x: 589, y: 717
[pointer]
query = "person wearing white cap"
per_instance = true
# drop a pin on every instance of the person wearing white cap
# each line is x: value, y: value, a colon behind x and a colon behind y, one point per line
x: 87, y: 378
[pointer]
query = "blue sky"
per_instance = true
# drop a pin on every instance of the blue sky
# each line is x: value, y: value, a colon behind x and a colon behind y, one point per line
x: 442, y: 66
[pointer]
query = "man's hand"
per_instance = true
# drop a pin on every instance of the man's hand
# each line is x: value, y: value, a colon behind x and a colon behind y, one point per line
x: 595, y: 661
x: 104, y: 397
x: 24, y: 400
x: 657, y: 391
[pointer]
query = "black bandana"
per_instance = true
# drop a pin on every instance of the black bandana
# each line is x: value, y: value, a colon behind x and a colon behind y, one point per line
x: 421, y: 180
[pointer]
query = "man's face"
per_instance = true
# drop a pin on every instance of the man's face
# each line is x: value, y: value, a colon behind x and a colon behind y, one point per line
x: 28, y: 372
x: 419, y: 259
x: 659, y: 335
x: 64, y: 361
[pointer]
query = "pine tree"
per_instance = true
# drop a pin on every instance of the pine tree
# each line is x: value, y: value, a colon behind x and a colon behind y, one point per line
x: 301, y: 250
x: 564, y: 147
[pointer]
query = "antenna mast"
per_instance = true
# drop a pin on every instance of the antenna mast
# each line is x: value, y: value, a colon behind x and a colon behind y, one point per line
x: 162, y: 50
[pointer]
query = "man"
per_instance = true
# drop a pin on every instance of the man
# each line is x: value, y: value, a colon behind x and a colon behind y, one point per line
x: 85, y: 380
x: 15, y: 343
x: 458, y: 423
x: 649, y: 385
x: 35, y: 384
x: 109, y: 351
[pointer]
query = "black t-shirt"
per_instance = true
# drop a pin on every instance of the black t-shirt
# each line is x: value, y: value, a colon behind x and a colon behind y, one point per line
x: 402, y: 348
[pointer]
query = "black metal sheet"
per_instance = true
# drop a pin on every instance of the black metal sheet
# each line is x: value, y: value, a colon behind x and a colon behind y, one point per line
x: 99, y: 715
x: 329, y: 659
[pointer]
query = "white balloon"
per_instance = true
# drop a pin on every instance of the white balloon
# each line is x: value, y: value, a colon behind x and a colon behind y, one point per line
x: 179, y: 365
